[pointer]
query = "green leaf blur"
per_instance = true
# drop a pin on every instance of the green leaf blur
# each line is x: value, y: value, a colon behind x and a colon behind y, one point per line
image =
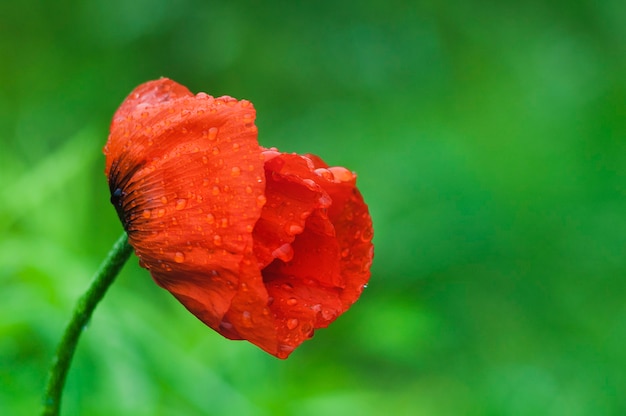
x: 490, y: 143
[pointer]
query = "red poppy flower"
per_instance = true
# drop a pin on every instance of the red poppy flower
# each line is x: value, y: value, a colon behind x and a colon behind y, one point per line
x: 260, y: 245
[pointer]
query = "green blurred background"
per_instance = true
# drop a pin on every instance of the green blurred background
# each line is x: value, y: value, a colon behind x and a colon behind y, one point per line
x: 490, y: 142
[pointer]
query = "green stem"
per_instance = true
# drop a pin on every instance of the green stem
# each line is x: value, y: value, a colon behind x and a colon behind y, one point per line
x: 82, y: 313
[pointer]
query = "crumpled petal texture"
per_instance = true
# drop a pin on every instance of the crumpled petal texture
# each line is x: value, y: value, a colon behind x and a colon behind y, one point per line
x: 260, y: 245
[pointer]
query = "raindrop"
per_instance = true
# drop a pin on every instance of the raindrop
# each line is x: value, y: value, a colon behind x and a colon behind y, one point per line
x: 160, y: 212
x: 292, y: 323
x: 235, y: 171
x: 246, y: 319
x: 181, y: 204
x: 146, y: 213
x: 293, y: 229
x: 366, y: 235
x: 217, y: 240
x: 248, y: 189
x: 224, y: 222
x: 261, y: 200
x: 215, y: 190
x: 210, y: 218
x: 292, y: 301
x: 213, y: 133
x: 164, y: 200
x: 235, y: 146
x: 179, y: 257
x: 284, y: 252
x: 341, y: 174
x: 215, y: 150
x: 345, y: 252
x: 328, y: 314
x: 324, y: 173
x: 284, y: 350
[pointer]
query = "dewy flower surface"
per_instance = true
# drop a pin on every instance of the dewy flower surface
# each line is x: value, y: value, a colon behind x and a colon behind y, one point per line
x: 260, y: 245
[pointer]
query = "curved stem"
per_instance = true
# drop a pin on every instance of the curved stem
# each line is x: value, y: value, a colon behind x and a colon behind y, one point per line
x: 85, y: 306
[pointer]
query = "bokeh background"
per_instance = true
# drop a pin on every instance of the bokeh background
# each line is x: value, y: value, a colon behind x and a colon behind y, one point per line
x: 490, y: 143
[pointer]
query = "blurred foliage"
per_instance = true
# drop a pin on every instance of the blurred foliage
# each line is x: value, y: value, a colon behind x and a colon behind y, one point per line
x: 489, y: 139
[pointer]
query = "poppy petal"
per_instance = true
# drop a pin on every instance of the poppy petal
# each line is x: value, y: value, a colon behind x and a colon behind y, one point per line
x: 191, y: 184
x: 353, y: 226
x: 291, y: 197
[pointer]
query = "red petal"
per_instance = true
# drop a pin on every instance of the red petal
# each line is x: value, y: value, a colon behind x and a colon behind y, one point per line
x: 292, y: 196
x: 353, y: 225
x: 325, y: 274
x: 190, y: 176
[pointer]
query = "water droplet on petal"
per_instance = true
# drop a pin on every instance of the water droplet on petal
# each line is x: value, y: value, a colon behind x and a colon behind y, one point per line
x: 181, y: 204
x: 293, y: 229
x: 217, y: 240
x: 246, y: 319
x: 146, y: 213
x: 179, y: 257
x: 345, y: 252
x: 261, y: 200
x: 292, y: 323
x: 248, y: 189
x: 213, y: 133
x: 160, y: 212
x: 235, y: 171
x: 164, y: 200
x: 284, y: 252
x: 210, y: 218
x: 366, y: 235
x: 215, y: 150
x: 292, y: 301
x: 215, y: 190
x: 284, y: 350
x: 328, y: 314
x: 324, y: 173
x: 341, y: 174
